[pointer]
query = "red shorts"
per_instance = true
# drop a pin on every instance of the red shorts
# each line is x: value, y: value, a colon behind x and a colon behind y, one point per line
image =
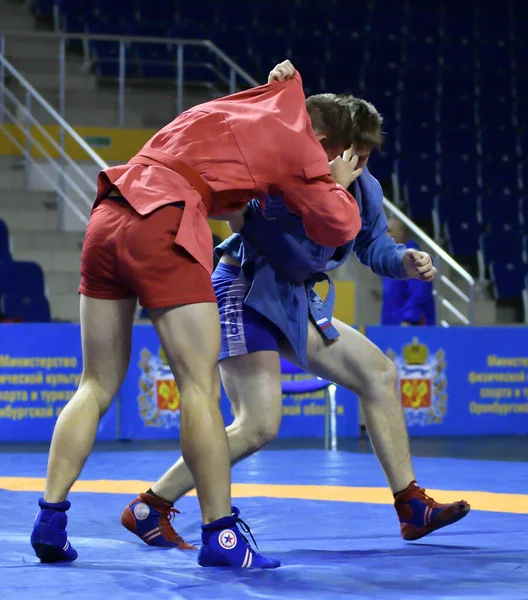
x: 126, y: 255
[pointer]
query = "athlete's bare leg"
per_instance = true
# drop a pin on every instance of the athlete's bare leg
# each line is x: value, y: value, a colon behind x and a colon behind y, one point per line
x: 106, y: 330
x: 355, y: 363
x: 253, y: 385
x: 190, y: 336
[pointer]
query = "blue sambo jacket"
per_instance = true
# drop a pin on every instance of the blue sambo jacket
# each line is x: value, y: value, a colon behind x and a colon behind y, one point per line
x: 283, y: 264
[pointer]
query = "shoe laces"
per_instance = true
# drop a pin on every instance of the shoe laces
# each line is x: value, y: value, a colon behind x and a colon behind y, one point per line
x: 428, y: 500
x: 245, y: 528
x: 165, y: 525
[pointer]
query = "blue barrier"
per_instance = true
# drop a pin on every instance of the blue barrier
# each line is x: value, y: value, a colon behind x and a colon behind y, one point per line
x: 460, y: 380
x: 455, y: 381
x: 40, y: 367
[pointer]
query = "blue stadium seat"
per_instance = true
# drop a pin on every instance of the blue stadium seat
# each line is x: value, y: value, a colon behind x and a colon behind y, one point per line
x: 167, y: 11
x: 415, y: 111
x: 455, y: 109
x: 500, y: 172
x: 458, y: 172
x: 5, y: 245
x: 458, y: 82
x: 417, y: 137
x: 420, y: 170
x: 381, y: 165
x: 497, y: 110
x: 490, y: 81
x: 156, y: 61
x: 423, y: 19
x: 420, y: 199
x: 508, y: 277
x: 419, y: 81
x: 462, y: 236
x: 21, y: 278
x: 379, y: 80
x: 493, y: 51
x: 494, y: 21
x: 105, y: 54
x: 28, y: 309
x: 523, y: 210
x: 42, y: 8
x: 498, y: 140
x: 458, y: 21
x: 499, y: 211
x: 458, y: 54
x: 385, y: 44
x: 499, y: 245
x: 421, y: 51
x: 458, y: 139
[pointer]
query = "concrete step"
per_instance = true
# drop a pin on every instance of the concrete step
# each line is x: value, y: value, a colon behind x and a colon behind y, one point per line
x: 50, y: 240
x: 62, y: 283
x: 102, y: 117
x: 50, y: 65
x: 42, y: 81
x: 12, y: 178
x: 19, y: 199
x: 64, y: 307
x: 62, y: 261
x: 15, y: 18
x: 34, y: 220
x: 22, y: 46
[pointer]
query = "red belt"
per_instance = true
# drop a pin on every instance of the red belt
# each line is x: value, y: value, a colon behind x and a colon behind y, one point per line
x: 150, y: 156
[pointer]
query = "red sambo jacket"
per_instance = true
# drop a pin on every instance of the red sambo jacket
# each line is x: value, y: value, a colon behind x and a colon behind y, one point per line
x: 219, y: 155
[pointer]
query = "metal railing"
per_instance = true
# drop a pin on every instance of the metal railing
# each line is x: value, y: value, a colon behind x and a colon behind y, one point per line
x: 228, y: 79
x: 443, y: 284
x: 75, y: 188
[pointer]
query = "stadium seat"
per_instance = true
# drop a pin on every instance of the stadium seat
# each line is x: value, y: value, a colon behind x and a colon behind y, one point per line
x: 462, y: 235
x: 458, y: 54
x: 508, y: 277
x: 500, y: 211
x: 422, y: 169
x: 22, y: 278
x: 416, y: 138
x: 419, y: 199
x: 22, y: 292
x: 498, y: 245
x: 500, y: 172
x: 422, y: 52
x: 449, y: 207
x: 28, y: 309
x: 459, y: 139
x: 5, y: 244
x: 458, y: 172
x: 156, y: 60
x: 453, y: 109
x: 491, y: 51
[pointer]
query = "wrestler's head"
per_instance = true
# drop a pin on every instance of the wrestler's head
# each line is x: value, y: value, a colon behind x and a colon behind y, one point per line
x: 341, y: 122
x: 367, y: 134
x: 332, y: 122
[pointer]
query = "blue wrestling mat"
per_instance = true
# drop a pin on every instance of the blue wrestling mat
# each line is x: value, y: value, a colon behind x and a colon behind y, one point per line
x: 327, y: 516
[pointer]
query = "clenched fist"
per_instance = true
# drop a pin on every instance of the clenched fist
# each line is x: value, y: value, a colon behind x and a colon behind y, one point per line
x: 281, y: 72
x: 418, y: 265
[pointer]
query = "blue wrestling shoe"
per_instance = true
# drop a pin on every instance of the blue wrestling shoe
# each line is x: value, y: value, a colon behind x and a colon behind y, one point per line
x: 420, y: 515
x: 49, y: 538
x: 223, y: 545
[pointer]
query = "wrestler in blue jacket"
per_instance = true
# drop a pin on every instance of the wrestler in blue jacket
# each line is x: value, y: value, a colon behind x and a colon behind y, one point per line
x: 284, y: 264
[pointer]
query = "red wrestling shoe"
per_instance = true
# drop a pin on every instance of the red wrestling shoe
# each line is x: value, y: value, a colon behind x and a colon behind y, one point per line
x: 420, y: 515
x: 149, y: 517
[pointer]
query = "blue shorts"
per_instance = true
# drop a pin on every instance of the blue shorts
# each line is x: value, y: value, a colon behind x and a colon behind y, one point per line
x: 243, y: 329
